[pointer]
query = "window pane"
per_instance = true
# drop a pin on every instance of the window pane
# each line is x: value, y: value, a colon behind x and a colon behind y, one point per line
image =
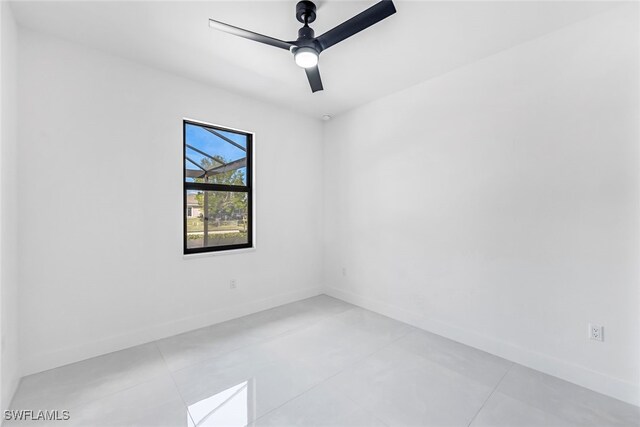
x: 215, y: 156
x: 217, y: 218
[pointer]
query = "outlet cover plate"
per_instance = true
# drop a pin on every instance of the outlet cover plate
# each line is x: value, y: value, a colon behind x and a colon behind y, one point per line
x: 596, y: 332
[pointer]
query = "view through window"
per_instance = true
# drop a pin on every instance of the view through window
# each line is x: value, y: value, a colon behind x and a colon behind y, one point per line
x: 217, y: 188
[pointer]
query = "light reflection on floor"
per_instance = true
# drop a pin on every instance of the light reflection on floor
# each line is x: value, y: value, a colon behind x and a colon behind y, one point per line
x: 231, y: 407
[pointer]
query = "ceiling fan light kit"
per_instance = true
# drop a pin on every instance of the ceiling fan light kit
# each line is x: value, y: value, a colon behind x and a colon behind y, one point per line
x: 306, y: 48
x: 305, y: 57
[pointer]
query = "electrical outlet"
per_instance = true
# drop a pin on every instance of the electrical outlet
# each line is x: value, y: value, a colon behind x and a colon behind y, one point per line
x: 344, y: 271
x: 596, y: 332
x: 233, y: 284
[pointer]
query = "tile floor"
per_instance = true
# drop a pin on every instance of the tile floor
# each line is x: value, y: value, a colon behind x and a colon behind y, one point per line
x: 315, y: 362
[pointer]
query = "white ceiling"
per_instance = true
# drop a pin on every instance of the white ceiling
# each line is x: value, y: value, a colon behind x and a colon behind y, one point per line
x: 422, y: 40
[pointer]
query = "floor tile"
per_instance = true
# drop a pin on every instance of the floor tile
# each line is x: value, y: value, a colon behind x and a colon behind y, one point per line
x: 289, y: 317
x: 269, y: 379
x: 569, y: 402
x: 503, y: 411
x: 316, y: 362
x: 79, y: 383
x: 373, y: 325
x: 470, y: 362
x: 153, y: 403
x: 325, y: 304
x: 321, y: 406
x: 332, y: 345
x: 403, y: 389
x: 195, y: 346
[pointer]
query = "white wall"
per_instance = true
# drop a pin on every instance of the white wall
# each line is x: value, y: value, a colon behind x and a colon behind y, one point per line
x: 9, y: 369
x: 499, y: 204
x: 101, y: 264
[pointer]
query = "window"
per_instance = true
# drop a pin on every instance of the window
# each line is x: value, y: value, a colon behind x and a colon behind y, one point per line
x: 217, y: 188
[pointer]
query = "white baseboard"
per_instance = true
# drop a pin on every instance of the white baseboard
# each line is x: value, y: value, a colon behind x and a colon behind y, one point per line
x: 71, y: 354
x: 596, y: 381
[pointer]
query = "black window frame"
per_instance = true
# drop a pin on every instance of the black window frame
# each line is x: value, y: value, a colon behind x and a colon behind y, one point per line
x: 248, y: 189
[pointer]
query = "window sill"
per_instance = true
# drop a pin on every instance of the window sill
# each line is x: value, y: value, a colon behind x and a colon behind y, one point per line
x: 218, y: 253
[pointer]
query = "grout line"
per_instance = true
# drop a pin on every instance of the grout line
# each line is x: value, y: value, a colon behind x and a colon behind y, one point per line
x: 348, y: 366
x: 220, y: 406
x: 110, y: 394
x: 259, y: 341
x: 322, y: 318
x: 491, y: 394
x: 92, y: 383
x: 175, y: 384
x: 166, y: 365
x: 13, y: 397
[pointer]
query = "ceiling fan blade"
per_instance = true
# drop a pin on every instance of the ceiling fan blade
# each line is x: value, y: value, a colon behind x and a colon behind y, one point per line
x: 313, y: 74
x: 249, y: 35
x: 361, y: 21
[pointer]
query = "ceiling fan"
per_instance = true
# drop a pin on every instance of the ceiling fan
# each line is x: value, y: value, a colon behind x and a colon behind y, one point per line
x: 307, y: 48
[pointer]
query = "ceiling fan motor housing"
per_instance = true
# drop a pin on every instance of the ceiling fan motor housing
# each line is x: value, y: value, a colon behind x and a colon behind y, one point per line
x: 306, y: 12
x: 306, y: 38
